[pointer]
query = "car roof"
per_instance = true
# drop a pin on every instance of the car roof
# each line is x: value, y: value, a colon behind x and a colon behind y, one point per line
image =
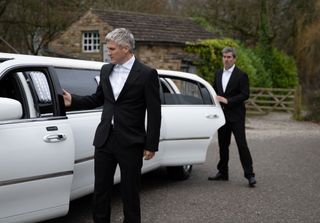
x: 8, y: 60
x: 52, y: 61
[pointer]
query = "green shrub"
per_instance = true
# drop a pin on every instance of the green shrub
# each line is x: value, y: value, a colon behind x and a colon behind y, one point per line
x: 252, y: 65
x: 284, y: 70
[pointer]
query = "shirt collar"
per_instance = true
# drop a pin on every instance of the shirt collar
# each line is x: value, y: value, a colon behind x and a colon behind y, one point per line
x: 128, y: 65
x: 230, y: 70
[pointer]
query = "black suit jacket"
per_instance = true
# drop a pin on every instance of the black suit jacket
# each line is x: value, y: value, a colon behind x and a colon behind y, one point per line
x: 237, y: 91
x: 140, y: 93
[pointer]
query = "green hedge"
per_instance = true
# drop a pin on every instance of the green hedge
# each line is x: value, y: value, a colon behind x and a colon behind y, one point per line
x: 283, y: 68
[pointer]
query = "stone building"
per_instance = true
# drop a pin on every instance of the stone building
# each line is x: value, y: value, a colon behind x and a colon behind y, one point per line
x: 160, y: 39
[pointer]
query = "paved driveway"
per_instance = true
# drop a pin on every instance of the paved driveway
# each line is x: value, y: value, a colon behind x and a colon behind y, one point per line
x: 286, y: 156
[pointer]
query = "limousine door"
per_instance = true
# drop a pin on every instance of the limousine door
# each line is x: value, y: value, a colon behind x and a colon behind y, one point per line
x: 190, y: 119
x: 36, y: 150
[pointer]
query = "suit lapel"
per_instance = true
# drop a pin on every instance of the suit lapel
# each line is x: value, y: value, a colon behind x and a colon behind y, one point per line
x: 107, y: 79
x: 219, y: 82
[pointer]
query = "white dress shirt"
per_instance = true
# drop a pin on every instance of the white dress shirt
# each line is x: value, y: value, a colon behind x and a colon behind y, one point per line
x: 226, y: 77
x: 119, y: 76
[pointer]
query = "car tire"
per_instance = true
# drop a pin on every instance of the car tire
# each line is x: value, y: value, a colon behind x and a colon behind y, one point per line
x: 179, y: 172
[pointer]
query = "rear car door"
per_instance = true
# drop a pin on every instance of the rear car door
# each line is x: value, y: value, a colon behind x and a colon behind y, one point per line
x: 190, y: 119
x: 36, y: 150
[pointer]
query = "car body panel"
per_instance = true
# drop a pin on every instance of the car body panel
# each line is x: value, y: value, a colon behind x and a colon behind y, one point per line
x: 189, y: 133
x: 35, y: 175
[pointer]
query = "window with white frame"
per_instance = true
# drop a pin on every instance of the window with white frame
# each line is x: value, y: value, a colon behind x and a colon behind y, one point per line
x: 90, y: 41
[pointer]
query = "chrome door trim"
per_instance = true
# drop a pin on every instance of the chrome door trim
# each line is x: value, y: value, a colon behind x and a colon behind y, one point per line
x: 34, y: 178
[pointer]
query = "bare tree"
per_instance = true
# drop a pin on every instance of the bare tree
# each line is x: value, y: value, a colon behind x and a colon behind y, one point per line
x: 30, y: 25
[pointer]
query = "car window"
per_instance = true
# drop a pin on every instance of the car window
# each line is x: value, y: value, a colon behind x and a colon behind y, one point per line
x: 205, y: 95
x: 78, y: 81
x: 183, y: 91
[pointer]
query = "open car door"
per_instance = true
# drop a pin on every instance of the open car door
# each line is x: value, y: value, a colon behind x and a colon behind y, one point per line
x: 36, y: 149
x: 190, y: 118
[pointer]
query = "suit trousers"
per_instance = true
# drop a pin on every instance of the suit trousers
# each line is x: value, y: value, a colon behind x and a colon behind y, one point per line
x: 106, y: 160
x: 224, y: 138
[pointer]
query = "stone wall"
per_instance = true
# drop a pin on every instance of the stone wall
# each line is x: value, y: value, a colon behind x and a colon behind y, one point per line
x: 161, y: 56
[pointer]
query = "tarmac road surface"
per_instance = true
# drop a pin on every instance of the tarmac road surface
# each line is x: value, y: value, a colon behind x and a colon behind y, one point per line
x: 286, y: 157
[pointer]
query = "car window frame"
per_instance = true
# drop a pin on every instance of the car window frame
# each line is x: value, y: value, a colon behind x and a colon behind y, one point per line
x: 165, y: 77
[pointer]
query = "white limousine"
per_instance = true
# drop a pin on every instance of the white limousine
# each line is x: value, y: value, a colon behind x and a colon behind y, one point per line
x: 46, y: 151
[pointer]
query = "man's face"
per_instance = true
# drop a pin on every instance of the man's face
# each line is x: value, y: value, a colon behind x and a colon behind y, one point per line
x: 228, y: 60
x: 117, y: 54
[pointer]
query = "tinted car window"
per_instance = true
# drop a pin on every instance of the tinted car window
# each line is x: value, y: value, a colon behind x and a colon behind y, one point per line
x: 184, y: 91
x: 205, y: 95
x: 78, y: 81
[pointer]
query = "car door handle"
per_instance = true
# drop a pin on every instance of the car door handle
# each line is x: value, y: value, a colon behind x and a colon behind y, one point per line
x: 212, y: 116
x: 55, y: 137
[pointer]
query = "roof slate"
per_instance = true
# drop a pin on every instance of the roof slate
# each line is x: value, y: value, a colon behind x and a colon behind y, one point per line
x: 155, y: 28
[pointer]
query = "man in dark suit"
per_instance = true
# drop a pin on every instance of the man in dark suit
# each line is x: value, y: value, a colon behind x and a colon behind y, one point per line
x: 127, y: 89
x: 232, y: 88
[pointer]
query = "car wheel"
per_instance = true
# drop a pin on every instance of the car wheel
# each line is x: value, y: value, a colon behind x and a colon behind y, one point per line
x: 179, y: 172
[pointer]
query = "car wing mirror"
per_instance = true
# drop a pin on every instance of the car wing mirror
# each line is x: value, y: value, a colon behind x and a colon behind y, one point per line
x: 10, y: 109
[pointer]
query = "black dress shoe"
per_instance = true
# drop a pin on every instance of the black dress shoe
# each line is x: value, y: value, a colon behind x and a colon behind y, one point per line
x: 252, y: 181
x: 219, y: 176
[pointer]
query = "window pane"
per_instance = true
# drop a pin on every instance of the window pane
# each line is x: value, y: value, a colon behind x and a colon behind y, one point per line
x: 76, y: 81
x: 91, y: 41
x: 206, y: 95
x: 79, y: 82
x: 183, y: 92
